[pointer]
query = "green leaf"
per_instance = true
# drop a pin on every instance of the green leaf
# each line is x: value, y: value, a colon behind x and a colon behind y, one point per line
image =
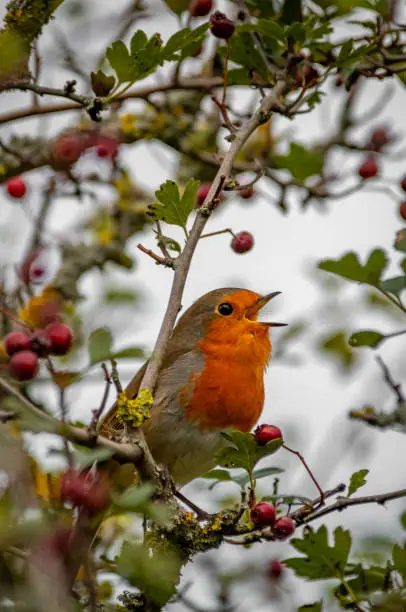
x: 145, y: 60
x: 241, y: 479
x: 243, y: 451
x: 138, y: 42
x: 338, y: 348
x: 321, y: 560
x: 133, y: 352
x: 184, y: 40
x: 156, y: 574
x: 83, y: 457
x: 403, y: 520
x: 28, y: 420
x: 366, y: 338
x: 169, y: 243
x: 65, y: 378
x: 172, y: 208
x: 101, y: 83
x: 220, y: 475
x: 99, y: 345
x: 267, y: 27
x: 313, y: 607
x: 296, y: 32
x: 291, y: 11
x: 350, y: 267
x: 399, y: 559
x: 400, y: 241
x: 368, y: 580
x: 120, y: 60
x: 264, y: 7
x: 120, y: 295
x: 178, y: 6
x: 301, y: 162
x: 258, y: 474
x: 134, y: 498
x: 394, y: 285
x: 357, y: 481
x: 244, y: 53
x: 239, y: 76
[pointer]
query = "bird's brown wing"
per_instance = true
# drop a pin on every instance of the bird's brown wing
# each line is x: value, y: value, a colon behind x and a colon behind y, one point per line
x: 110, y: 426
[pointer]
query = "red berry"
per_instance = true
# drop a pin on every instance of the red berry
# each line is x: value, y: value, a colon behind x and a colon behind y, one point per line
x: 403, y: 183
x: 202, y: 192
x: 16, y: 341
x: 16, y: 187
x: 23, y: 365
x: 200, y: 8
x: 368, y: 168
x: 263, y: 513
x: 246, y: 193
x: 96, y: 495
x: 275, y: 569
x: 265, y: 433
x: 60, y: 337
x: 84, y: 489
x: 68, y: 148
x: 284, y: 527
x: 36, y: 274
x: 68, y: 486
x: 40, y: 343
x: 402, y: 210
x: 379, y: 138
x: 242, y: 242
x: 106, y: 147
x: 221, y: 26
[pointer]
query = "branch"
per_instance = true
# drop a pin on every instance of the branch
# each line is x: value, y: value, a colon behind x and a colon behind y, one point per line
x: 345, y: 502
x: 396, y: 387
x: 270, y: 103
x: 123, y: 453
x: 198, y: 84
x: 23, y: 23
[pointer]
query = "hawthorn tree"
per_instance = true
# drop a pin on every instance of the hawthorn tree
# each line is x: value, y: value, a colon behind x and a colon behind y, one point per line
x: 290, y: 56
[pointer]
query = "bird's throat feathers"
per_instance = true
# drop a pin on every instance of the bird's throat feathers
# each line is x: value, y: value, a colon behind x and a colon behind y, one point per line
x: 238, y: 342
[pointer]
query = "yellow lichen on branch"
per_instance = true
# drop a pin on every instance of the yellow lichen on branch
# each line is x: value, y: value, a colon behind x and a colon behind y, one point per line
x: 134, y: 411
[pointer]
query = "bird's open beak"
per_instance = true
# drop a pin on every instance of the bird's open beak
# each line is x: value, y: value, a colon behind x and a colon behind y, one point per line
x: 260, y: 303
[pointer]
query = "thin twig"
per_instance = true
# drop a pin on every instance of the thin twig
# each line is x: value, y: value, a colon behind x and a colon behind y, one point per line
x: 228, y: 230
x: 115, y: 377
x: 92, y: 428
x: 318, y: 487
x: 396, y: 387
x: 199, y: 84
x: 346, y: 502
x: 163, y: 261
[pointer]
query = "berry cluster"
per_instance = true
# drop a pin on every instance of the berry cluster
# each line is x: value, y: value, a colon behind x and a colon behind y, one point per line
x: 263, y: 514
x: 25, y: 349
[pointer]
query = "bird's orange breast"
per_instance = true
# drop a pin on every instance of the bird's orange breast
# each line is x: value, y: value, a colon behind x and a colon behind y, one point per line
x: 229, y: 391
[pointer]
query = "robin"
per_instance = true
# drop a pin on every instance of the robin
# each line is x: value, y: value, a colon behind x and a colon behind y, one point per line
x: 211, y: 380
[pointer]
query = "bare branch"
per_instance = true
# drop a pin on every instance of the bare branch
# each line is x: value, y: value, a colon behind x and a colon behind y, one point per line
x: 396, y: 387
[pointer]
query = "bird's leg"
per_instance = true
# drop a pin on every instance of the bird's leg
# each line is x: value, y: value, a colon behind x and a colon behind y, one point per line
x: 202, y: 515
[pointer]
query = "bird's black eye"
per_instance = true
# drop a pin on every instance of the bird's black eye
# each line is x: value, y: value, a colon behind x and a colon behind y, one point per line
x: 225, y: 309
